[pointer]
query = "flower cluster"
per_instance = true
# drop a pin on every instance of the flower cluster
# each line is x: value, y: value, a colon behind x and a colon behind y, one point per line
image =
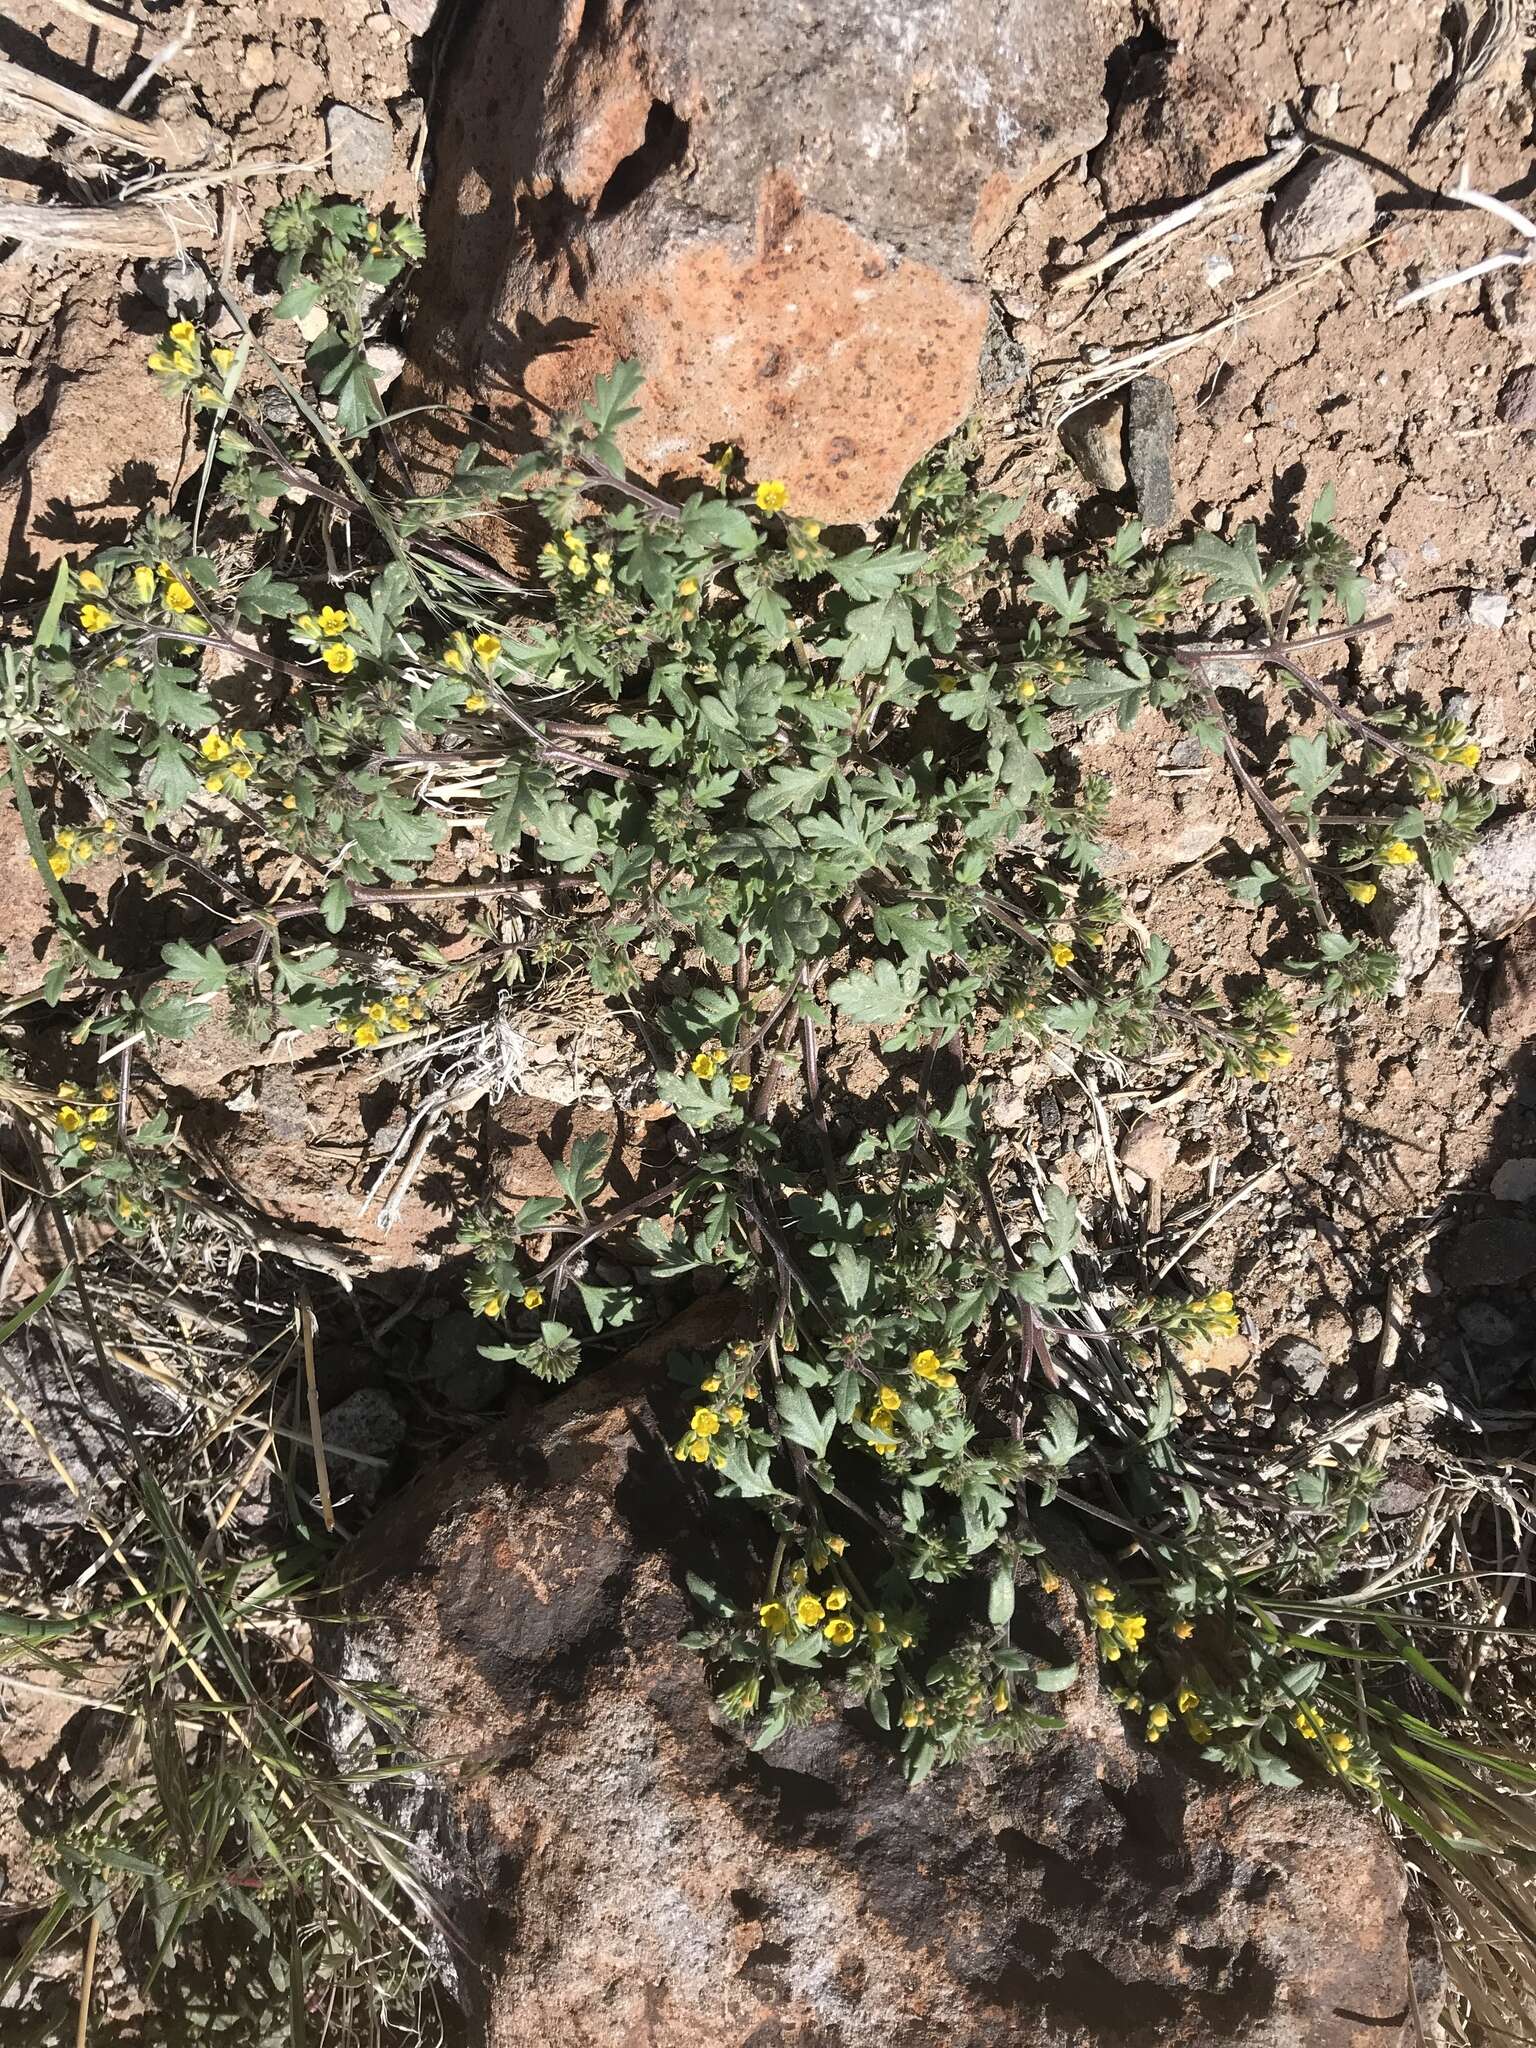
x: 322, y: 633
x: 710, y: 1427
x: 372, y: 1020
x: 1120, y: 1628
x: 709, y: 1062
x: 69, y: 850
x: 1337, y: 1748
x: 80, y: 1121
x: 488, y: 1299
x: 831, y: 1611
x: 180, y: 363
x: 570, y: 559
x: 231, y: 758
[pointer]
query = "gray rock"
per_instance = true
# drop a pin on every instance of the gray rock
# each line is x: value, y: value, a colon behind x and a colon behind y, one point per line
x: 527, y: 1597
x: 414, y: 16
x: 1408, y: 914
x: 1488, y: 609
x: 1004, y: 362
x: 1515, y: 1181
x: 1517, y: 399
x: 1495, y: 1251
x: 362, y: 1436
x: 1302, y: 1363
x: 80, y: 1426
x: 177, y: 287
x: 1092, y: 436
x: 1369, y: 1323
x: 782, y: 209
x: 1328, y: 205
x: 1334, y: 1334
x: 362, y: 148
x: 1187, y: 753
x: 1494, y: 885
x: 1149, y: 1148
x: 1482, y: 1323
x: 1150, y: 429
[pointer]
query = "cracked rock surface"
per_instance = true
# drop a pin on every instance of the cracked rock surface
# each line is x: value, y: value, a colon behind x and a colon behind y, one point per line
x: 625, y: 1870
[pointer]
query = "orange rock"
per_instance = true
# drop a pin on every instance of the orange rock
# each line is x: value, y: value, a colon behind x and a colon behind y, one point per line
x: 780, y: 214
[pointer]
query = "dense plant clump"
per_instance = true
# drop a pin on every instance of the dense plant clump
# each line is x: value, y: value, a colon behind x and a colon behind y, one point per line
x: 768, y: 782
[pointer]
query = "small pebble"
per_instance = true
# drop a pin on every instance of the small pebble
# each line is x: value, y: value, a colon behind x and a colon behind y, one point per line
x: 1515, y: 1181
x: 1489, y: 609
x: 1481, y: 1323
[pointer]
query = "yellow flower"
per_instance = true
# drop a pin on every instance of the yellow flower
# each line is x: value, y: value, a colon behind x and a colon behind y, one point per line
x: 533, y: 1297
x: 839, y: 1631
x: 84, y: 850
x: 1183, y: 1630
x: 1189, y: 1699
x: 158, y: 361
x: 222, y: 357
x: 177, y: 597
x: 601, y: 586
x: 1340, y: 1743
x: 213, y: 746
x: 334, y: 620
x: 491, y: 1306
x: 1222, y: 1301
x: 1050, y: 1582
x: 808, y: 1610
x: 87, y: 1144
x: 1198, y: 1728
x: 487, y: 647
x: 99, y: 1115
x: 1101, y: 1594
x: 213, y: 784
x: 182, y: 332
x: 366, y: 1034
x: 705, y: 1422
x: 452, y: 658
x: 926, y: 1364
x: 474, y: 701
x: 94, y: 619
x: 1399, y: 854
x: 772, y: 496
x: 1062, y: 953
x: 811, y: 528
x: 339, y: 658
x: 837, y: 1600
x: 58, y: 862
x: 888, y: 1398
x: 704, y: 1065
x: 1466, y: 756
x: 709, y: 1386
x: 1158, y: 1718
x: 773, y: 1615
x: 89, y: 580
x: 740, y: 1083
x: 689, y: 587
x: 735, y: 1414
x: 143, y: 582
x: 290, y: 802
x: 69, y: 1119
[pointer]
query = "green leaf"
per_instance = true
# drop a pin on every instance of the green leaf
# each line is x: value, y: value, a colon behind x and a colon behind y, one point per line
x: 582, y: 1175
x: 206, y: 971
x: 1231, y: 568
x: 1048, y: 585
x: 853, y: 1274
x: 335, y: 904
x: 1055, y: 1677
x: 881, y: 997
x: 802, y: 1424
x: 1001, y: 1596
x: 711, y: 522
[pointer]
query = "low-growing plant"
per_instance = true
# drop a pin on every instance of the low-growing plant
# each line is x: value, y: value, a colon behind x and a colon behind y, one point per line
x: 772, y: 782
